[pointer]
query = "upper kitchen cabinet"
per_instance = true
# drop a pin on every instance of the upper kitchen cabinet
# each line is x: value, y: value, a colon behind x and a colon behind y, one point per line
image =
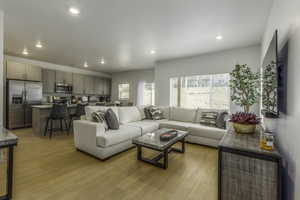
x: 21, y: 71
x: 107, y: 86
x: 89, y: 85
x: 48, y: 81
x: 99, y: 86
x: 64, y: 77
x: 15, y: 70
x: 33, y: 73
x: 78, y: 84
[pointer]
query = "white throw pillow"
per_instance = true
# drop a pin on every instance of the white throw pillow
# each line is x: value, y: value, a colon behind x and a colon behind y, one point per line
x: 142, y: 111
x: 129, y: 114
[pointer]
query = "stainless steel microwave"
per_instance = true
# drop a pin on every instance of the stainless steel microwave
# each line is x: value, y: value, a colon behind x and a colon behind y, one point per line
x: 63, y: 88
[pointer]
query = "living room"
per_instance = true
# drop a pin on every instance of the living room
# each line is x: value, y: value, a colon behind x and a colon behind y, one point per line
x: 149, y: 99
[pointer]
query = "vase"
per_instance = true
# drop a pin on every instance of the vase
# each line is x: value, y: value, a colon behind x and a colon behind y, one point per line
x: 244, y: 128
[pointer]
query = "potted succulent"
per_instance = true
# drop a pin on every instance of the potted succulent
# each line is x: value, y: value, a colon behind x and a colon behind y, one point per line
x: 244, y: 85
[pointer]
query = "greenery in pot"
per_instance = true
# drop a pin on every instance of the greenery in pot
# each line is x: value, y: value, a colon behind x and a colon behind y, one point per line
x: 244, y: 85
x: 269, y: 92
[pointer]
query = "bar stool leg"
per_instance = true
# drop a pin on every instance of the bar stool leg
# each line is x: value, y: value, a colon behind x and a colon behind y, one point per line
x: 46, y: 129
x: 51, y: 130
x: 66, y: 125
x: 61, y: 127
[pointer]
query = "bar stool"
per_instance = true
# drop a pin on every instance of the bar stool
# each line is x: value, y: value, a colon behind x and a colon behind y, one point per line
x: 58, y: 112
x: 80, y: 110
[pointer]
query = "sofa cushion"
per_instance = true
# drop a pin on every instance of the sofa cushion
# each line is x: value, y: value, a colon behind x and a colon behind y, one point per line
x: 165, y: 111
x: 113, y: 137
x: 174, y: 125
x: 90, y: 109
x: 206, y: 131
x: 142, y: 112
x: 111, y: 119
x: 182, y: 114
x: 129, y: 114
x: 147, y: 126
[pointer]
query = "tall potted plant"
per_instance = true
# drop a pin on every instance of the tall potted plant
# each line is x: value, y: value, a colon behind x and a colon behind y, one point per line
x: 244, y: 85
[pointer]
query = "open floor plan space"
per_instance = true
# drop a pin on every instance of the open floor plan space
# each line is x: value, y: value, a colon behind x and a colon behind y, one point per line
x: 54, y: 169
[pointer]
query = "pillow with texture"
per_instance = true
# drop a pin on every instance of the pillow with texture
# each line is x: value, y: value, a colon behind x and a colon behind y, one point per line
x: 147, y: 112
x: 220, y: 122
x: 209, y: 118
x: 156, y: 113
x: 99, y: 116
x: 111, y: 119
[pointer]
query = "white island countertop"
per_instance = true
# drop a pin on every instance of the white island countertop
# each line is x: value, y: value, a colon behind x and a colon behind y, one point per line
x: 47, y: 106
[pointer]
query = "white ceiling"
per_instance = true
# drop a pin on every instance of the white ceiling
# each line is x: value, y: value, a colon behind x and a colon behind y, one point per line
x: 124, y: 31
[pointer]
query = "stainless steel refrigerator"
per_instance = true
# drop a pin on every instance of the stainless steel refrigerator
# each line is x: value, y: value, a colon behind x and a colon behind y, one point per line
x: 21, y: 96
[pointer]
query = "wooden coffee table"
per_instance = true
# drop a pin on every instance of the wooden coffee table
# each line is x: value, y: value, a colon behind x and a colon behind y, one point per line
x: 152, y: 141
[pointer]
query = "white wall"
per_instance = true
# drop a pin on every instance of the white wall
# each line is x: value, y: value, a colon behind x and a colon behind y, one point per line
x: 212, y: 63
x: 1, y: 70
x: 56, y: 67
x: 134, y: 78
x: 285, y: 17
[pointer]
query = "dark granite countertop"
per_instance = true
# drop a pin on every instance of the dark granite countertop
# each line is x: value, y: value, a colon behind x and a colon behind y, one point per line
x: 7, y: 138
x: 246, y: 142
x: 47, y: 106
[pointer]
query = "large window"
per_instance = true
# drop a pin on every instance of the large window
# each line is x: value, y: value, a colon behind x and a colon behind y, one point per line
x: 149, y: 94
x: 124, y: 91
x: 205, y: 91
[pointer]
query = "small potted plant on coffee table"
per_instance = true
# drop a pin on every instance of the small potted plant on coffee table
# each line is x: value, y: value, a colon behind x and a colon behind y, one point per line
x: 244, y: 85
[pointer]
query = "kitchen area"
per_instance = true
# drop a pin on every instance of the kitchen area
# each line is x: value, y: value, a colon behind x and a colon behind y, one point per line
x: 32, y: 90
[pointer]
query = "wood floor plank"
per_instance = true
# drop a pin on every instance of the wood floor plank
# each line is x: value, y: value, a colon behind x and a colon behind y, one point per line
x: 53, y: 169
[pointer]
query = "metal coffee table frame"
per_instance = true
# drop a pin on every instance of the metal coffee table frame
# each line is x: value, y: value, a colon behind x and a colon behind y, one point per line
x: 163, y: 155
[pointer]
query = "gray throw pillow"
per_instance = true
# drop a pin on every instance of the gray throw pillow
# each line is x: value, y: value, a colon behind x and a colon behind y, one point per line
x: 111, y: 119
x: 156, y: 113
x: 99, y: 116
x: 209, y: 118
x: 221, y: 123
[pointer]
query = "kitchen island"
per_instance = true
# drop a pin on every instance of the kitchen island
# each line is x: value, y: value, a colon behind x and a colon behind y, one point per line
x: 7, y: 143
x: 40, y: 113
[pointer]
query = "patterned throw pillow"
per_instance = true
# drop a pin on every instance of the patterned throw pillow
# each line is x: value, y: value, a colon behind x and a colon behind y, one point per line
x: 209, y: 118
x: 99, y: 116
x: 156, y: 113
x: 147, y: 112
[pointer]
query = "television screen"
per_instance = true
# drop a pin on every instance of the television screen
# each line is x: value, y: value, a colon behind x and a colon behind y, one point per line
x: 274, y: 80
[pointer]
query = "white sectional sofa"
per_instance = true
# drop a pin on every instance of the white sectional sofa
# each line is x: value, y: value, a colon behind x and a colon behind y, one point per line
x: 91, y: 137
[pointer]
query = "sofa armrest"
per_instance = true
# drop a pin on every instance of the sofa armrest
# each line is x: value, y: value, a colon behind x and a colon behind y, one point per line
x: 85, y: 134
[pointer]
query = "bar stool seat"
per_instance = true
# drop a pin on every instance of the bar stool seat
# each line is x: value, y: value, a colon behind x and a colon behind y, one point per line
x: 58, y: 112
x: 80, y: 110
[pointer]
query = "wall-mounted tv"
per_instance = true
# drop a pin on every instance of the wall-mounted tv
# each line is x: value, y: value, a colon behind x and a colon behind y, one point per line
x: 274, y: 79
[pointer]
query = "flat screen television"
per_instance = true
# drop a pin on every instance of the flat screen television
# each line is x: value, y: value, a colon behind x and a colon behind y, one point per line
x: 274, y: 79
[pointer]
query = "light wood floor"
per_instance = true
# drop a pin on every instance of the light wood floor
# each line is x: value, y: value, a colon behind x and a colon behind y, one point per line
x: 53, y: 169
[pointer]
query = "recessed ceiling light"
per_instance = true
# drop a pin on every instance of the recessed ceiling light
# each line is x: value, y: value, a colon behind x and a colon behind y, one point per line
x: 85, y: 65
x: 39, y: 45
x: 74, y: 11
x: 219, y: 37
x: 102, y: 61
x: 25, y: 52
x: 152, y: 52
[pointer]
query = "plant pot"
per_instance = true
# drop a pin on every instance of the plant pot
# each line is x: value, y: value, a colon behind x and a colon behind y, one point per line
x: 244, y: 128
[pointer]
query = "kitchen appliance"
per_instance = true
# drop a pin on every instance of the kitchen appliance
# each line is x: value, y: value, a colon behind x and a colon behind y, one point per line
x: 21, y: 96
x: 63, y: 88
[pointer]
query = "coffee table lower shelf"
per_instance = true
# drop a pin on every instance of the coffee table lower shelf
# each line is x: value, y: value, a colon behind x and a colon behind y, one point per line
x: 163, y: 155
